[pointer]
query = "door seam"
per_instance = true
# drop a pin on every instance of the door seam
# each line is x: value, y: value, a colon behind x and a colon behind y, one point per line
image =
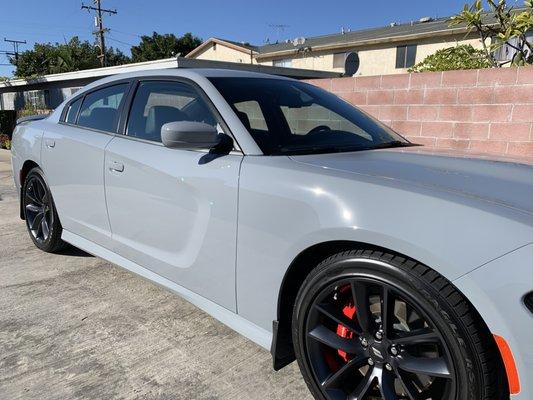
x: 105, y: 186
x: 237, y: 234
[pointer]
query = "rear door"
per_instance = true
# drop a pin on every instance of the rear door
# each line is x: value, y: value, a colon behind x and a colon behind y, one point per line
x: 174, y: 211
x: 73, y: 160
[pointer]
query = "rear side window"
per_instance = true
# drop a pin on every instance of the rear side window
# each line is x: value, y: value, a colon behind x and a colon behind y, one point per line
x: 100, y: 109
x: 158, y: 102
x: 72, y: 111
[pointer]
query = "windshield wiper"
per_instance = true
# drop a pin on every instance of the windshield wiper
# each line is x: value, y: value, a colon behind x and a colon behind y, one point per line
x: 390, y: 145
x: 340, y: 149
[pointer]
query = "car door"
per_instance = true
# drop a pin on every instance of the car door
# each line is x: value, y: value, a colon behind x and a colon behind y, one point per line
x: 174, y: 211
x: 73, y: 160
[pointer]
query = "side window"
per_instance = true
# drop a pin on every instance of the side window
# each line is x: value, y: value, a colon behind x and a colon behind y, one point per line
x: 72, y: 111
x: 157, y: 103
x: 100, y: 109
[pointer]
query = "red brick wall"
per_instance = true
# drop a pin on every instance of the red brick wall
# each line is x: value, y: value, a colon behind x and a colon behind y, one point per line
x: 482, y: 111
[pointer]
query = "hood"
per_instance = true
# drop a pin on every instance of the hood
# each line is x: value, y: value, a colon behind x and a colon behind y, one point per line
x: 503, y: 181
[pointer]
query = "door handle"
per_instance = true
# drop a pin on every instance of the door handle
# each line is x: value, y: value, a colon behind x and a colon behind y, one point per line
x: 50, y: 143
x: 116, y: 166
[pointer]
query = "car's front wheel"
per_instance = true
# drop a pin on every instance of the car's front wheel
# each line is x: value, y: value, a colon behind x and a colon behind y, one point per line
x: 369, y: 325
x: 40, y: 213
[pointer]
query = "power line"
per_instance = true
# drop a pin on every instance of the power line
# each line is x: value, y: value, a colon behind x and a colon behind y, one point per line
x: 15, y: 44
x: 126, y: 33
x: 100, y: 31
x: 120, y: 41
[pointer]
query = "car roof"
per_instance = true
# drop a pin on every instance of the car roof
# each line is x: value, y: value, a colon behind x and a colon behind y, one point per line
x: 195, y: 74
x: 191, y: 73
x: 231, y: 73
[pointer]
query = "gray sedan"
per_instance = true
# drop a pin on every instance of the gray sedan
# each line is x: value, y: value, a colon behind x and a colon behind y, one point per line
x: 388, y: 271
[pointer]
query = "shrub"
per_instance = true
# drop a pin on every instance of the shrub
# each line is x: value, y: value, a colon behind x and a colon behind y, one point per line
x: 512, y: 28
x: 453, y: 58
x: 30, y: 110
x: 5, y: 141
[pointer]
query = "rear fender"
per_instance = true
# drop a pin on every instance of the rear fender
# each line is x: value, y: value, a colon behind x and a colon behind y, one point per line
x: 25, y: 152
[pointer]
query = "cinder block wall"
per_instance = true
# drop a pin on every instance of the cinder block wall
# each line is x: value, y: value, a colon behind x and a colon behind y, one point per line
x: 482, y: 111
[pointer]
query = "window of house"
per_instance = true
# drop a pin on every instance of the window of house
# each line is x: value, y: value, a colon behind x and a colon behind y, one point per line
x: 72, y: 111
x: 100, y: 109
x: 287, y: 63
x: 406, y: 56
x: 338, y: 60
x: 158, y: 102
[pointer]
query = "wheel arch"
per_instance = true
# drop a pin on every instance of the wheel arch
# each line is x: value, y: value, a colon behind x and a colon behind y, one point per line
x: 282, y: 349
x: 26, y: 168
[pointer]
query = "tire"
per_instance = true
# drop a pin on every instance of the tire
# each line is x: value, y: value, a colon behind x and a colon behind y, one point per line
x: 40, y: 213
x: 344, y: 354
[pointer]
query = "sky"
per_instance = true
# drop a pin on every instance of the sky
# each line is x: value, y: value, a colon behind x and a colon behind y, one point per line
x: 239, y: 20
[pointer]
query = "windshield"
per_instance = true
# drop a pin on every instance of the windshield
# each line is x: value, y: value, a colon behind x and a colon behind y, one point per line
x: 291, y: 117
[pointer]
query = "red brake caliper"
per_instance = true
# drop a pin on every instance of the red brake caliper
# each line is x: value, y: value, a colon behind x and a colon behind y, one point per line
x: 348, y: 311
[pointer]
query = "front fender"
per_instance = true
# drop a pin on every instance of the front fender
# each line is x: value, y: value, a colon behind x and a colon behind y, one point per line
x: 497, y: 291
x: 286, y: 208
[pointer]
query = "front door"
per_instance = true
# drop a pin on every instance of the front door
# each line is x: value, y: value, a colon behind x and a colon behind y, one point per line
x: 173, y: 211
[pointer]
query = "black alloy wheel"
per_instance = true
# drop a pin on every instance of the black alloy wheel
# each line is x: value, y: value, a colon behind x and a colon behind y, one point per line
x: 38, y: 209
x: 40, y: 213
x: 386, y: 346
x: 363, y: 330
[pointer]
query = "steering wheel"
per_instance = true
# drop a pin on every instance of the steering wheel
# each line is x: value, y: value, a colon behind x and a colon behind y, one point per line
x: 320, y: 128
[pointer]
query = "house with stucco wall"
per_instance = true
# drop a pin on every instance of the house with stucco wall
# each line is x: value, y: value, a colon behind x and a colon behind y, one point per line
x: 392, y: 49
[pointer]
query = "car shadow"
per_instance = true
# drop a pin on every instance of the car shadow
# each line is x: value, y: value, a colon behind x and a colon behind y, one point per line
x: 72, y: 251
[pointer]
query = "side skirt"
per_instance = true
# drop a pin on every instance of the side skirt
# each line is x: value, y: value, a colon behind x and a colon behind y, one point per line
x: 242, y: 326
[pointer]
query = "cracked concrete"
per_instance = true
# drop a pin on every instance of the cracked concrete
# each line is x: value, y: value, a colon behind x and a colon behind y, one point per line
x: 73, y: 326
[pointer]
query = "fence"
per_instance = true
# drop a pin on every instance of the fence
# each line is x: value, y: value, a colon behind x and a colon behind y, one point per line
x: 482, y: 111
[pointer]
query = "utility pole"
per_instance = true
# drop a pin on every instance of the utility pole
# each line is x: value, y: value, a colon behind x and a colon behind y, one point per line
x: 100, y: 30
x: 15, y: 44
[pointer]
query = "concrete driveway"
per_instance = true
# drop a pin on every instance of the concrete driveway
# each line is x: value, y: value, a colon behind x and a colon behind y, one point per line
x: 73, y: 326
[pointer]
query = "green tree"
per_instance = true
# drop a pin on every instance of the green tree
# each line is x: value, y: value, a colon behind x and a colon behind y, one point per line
x: 160, y: 46
x: 453, y: 58
x: 75, y: 55
x: 501, y: 25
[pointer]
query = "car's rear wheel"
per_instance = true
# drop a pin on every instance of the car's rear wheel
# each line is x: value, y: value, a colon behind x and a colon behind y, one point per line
x: 369, y: 325
x: 40, y: 213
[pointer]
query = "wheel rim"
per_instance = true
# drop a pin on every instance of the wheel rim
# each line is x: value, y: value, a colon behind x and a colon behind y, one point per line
x: 368, y: 339
x: 38, y: 209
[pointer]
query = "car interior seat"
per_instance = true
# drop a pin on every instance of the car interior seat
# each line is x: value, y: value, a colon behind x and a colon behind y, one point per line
x: 159, y: 116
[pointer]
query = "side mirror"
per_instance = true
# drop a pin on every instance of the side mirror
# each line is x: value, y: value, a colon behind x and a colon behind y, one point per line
x: 189, y: 135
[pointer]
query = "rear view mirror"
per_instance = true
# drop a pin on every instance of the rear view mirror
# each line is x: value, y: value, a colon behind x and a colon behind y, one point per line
x: 189, y: 135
